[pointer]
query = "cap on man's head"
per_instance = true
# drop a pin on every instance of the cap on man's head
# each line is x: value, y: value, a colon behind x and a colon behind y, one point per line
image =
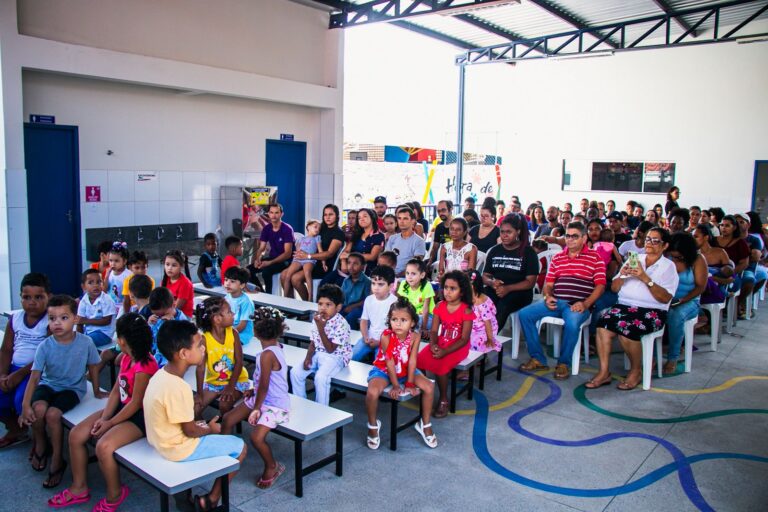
x: 614, y: 215
x: 744, y: 217
x: 380, y: 199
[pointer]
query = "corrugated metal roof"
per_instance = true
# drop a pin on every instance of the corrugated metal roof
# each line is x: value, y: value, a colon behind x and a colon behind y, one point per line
x: 532, y: 18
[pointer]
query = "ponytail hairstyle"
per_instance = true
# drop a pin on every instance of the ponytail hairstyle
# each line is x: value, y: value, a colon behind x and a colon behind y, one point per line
x: 137, y: 334
x: 476, y: 278
x: 121, y: 249
x: 268, y: 323
x: 183, y: 261
x: 403, y: 304
x: 205, y: 311
x: 422, y: 266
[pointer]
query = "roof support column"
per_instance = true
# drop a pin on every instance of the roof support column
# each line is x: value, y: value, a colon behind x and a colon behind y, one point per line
x: 460, y: 143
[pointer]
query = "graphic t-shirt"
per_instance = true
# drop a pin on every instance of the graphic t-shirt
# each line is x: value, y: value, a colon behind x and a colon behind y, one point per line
x: 127, y: 376
x: 116, y: 285
x: 511, y: 267
x: 211, y: 265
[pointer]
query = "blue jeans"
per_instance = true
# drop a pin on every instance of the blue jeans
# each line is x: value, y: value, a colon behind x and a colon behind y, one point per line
x: 361, y: 350
x: 531, y: 314
x: 606, y: 300
x: 353, y: 317
x: 676, y: 317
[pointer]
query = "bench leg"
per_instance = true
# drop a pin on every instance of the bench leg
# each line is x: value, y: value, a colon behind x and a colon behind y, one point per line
x: 298, y: 469
x: 163, y: 502
x: 339, y: 450
x: 498, y: 363
x: 393, y: 426
x: 224, y: 507
x: 453, y: 391
x: 112, y: 377
x: 471, y: 382
x: 481, y: 384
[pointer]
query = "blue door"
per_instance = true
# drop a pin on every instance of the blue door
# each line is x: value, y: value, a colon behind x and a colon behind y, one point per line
x: 52, y: 153
x: 287, y: 170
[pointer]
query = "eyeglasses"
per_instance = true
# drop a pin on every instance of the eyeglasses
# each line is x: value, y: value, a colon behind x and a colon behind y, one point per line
x: 654, y: 241
x: 572, y: 237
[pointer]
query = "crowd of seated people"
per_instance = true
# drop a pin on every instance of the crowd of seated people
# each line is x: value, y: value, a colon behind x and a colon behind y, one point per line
x: 389, y: 274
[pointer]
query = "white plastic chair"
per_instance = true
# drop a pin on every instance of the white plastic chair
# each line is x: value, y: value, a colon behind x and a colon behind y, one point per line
x: 688, y: 328
x: 715, y: 321
x: 733, y: 311
x: 514, y: 323
x: 480, y: 264
x: 555, y: 328
x: 648, y: 341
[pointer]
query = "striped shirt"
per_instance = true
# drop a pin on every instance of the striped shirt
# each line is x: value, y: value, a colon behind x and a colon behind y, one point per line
x: 574, y: 279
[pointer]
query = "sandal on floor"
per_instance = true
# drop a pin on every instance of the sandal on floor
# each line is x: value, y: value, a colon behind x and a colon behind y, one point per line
x: 269, y: 482
x: 207, y: 503
x: 55, y: 477
x: 623, y: 386
x: 669, y: 368
x: 374, y: 442
x: 533, y: 365
x: 65, y: 498
x: 593, y: 384
x: 7, y: 442
x: 442, y: 409
x: 431, y: 441
x: 104, y: 506
x: 39, y: 462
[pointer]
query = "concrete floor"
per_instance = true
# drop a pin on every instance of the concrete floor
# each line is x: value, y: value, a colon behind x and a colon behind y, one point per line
x: 695, y: 441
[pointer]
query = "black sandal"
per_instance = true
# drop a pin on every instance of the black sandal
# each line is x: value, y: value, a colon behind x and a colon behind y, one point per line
x: 55, y: 476
x: 207, y: 503
x: 39, y: 462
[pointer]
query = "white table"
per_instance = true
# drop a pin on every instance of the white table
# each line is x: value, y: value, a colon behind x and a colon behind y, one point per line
x: 295, y: 306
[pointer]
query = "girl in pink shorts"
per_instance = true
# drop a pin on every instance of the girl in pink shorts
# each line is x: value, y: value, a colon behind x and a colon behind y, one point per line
x: 267, y: 405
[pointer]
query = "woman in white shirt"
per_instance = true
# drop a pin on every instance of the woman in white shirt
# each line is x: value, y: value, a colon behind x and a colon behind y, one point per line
x: 644, y: 295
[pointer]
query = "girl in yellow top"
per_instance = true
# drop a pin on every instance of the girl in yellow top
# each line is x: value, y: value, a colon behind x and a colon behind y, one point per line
x: 419, y: 292
x: 222, y: 374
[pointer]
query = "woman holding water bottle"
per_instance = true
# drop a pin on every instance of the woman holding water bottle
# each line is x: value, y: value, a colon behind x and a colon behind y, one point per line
x: 457, y: 254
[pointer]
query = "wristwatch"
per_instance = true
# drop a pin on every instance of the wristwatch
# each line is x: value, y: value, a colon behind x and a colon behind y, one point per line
x: 650, y: 284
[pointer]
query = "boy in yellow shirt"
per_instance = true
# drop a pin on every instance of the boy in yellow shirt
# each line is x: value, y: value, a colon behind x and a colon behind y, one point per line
x: 169, y: 408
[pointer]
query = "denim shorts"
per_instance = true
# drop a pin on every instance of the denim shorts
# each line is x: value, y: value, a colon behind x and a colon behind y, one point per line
x: 217, y: 445
x: 100, y: 339
x: 377, y: 373
x: 240, y: 386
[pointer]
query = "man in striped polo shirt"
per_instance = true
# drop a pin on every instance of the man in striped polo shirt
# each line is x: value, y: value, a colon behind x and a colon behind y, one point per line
x: 575, y: 280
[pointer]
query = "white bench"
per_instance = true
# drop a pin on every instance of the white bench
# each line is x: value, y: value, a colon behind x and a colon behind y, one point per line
x: 465, y: 365
x: 353, y: 377
x: 289, y: 305
x: 499, y: 361
x: 144, y: 461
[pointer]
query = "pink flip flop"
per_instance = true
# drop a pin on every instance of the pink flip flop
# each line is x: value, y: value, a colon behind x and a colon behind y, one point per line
x: 269, y: 482
x: 65, y: 498
x: 104, y: 506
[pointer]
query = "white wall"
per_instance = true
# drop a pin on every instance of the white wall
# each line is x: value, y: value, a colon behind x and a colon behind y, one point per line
x: 194, y: 104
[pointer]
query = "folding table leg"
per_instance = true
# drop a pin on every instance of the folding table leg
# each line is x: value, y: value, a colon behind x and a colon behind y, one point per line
x: 297, y: 461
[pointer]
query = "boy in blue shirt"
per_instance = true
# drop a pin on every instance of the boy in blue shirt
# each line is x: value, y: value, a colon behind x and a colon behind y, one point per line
x: 209, y: 265
x: 356, y: 287
x: 235, y: 282
x: 162, y: 306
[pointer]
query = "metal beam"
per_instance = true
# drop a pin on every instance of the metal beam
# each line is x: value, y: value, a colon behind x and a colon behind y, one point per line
x: 569, y: 18
x: 664, y: 6
x: 563, y: 44
x: 491, y: 28
x: 389, y: 10
x: 459, y: 43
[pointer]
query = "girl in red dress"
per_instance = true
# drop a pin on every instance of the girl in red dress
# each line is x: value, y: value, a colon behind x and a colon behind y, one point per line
x: 449, y: 336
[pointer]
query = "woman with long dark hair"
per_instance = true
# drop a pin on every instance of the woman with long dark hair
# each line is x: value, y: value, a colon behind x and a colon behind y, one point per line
x: 331, y: 240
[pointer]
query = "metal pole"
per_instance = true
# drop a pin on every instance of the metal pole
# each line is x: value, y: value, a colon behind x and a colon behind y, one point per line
x: 460, y: 145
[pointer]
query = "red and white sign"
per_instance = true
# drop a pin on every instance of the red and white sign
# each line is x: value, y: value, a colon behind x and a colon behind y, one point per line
x: 93, y: 194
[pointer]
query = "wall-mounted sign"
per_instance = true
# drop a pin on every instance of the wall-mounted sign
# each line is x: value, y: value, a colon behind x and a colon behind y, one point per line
x: 93, y: 194
x: 146, y: 176
x: 37, y: 118
x: 286, y: 136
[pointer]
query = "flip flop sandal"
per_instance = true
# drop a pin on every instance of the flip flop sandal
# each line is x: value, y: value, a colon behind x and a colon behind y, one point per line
x: 7, y: 443
x: 623, y: 386
x: 55, y: 476
x: 207, y: 503
x: 104, y: 506
x: 39, y: 462
x: 592, y: 384
x: 374, y: 442
x: 65, y: 498
x: 442, y: 410
x: 269, y: 482
x: 431, y: 441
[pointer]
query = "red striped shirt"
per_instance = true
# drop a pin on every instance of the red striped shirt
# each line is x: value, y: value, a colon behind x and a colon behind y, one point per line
x: 574, y: 279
